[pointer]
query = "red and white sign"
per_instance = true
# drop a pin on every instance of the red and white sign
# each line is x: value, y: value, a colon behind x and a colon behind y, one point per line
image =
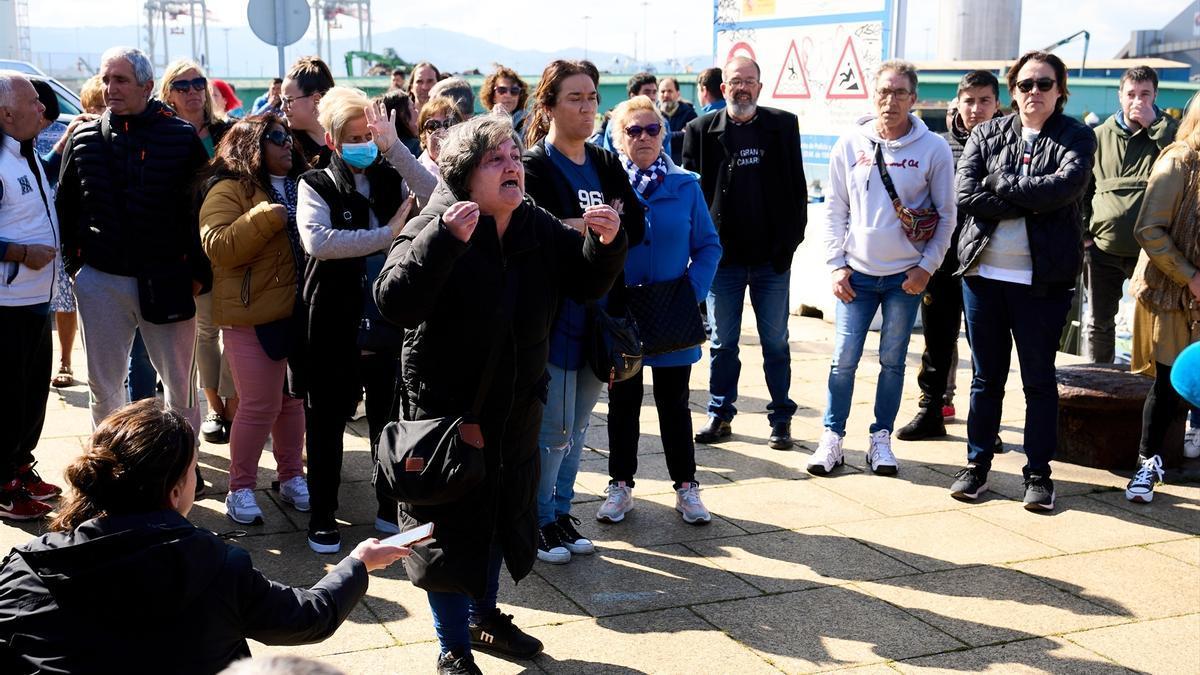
x: 792, y: 81
x: 741, y: 49
x: 847, y: 80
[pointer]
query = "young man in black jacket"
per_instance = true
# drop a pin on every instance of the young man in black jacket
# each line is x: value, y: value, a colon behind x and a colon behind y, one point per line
x: 752, y: 175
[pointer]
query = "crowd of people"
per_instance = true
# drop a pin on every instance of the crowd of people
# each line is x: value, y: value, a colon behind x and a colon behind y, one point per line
x: 325, y: 249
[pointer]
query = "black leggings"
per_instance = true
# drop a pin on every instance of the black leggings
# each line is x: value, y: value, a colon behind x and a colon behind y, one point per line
x: 674, y: 421
x: 1163, y: 406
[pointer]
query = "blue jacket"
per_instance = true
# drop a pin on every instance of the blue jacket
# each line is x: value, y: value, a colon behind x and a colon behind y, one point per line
x: 680, y: 237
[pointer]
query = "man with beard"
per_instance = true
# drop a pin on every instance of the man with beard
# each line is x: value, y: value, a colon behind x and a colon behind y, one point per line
x: 752, y: 175
x: 678, y: 113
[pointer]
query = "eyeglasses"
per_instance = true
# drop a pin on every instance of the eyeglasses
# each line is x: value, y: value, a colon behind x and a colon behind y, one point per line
x: 752, y: 82
x: 196, y: 84
x: 1042, y: 83
x: 432, y: 126
x: 892, y: 93
x: 651, y: 130
x: 505, y: 91
x: 279, y: 137
x: 289, y: 100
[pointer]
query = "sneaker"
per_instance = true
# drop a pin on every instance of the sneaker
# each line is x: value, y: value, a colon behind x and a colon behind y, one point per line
x: 576, y: 543
x: 323, y: 535
x: 550, y: 546
x: 34, y: 486
x: 214, y: 429
x: 1149, y: 474
x: 241, y: 507
x: 688, y: 504
x: 295, y: 492
x: 449, y: 664
x: 1191, y: 443
x: 928, y: 423
x: 714, y: 430
x: 16, y: 504
x: 969, y: 483
x: 879, y: 455
x: 618, y: 503
x: 828, y: 455
x: 497, y: 633
x: 199, y: 483
x: 385, y: 526
x: 1039, y: 493
x: 948, y: 410
x: 998, y: 446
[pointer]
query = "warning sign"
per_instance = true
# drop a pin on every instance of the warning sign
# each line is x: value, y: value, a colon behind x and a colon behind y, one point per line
x: 741, y: 49
x: 792, y: 81
x: 848, y: 80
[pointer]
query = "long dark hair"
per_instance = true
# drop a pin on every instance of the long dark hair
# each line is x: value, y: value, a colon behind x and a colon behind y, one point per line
x: 402, y: 104
x: 239, y: 155
x: 546, y: 94
x: 135, y: 458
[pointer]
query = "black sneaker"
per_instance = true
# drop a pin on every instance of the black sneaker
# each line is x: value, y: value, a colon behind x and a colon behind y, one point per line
x: 497, y: 633
x: 998, y: 447
x: 449, y: 664
x: 323, y: 535
x: 714, y: 430
x: 199, y: 483
x: 969, y: 483
x: 781, y: 436
x: 576, y: 543
x: 550, y: 546
x: 1039, y: 493
x: 929, y: 423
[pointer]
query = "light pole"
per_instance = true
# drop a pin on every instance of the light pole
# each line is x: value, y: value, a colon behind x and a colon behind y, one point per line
x: 228, y: 72
x: 585, y: 36
x: 645, y: 51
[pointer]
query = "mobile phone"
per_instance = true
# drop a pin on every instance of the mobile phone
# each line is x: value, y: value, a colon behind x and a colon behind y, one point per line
x: 410, y: 537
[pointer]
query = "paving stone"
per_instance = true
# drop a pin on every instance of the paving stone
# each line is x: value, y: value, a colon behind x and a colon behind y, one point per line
x: 1187, y: 550
x: 743, y: 463
x: 1152, y: 592
x: 1078, y: 524
x: 652, y: 477
x: 795, y: 560
x: 1140, y: 646
x: 209, y: 512
x: 613, y: 582
x: 779, y: 505
x: 938, y: 541
x: 1177, y: 506
x: 286, y: 557
x: 652, y: 522
x: 916, y: 489
x: 418, y: 658
x: 985, y: 605
x: 825, y: 628
x: 1027, y: 657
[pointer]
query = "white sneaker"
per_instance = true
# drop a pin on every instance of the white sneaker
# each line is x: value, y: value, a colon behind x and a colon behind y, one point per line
x: 879, y: 455
x: 1191, y: 443
x: 241, y: 507
x: 688, y: 504
x: 295, y: 492
x: 618, y: 503
x: 828, y: 455
x: 1149, y: 474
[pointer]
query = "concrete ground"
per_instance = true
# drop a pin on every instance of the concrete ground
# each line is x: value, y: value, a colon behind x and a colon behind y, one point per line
x: 795, y: 573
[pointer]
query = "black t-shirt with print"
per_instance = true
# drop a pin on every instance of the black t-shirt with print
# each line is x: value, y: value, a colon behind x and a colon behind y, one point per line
x: 745, y: 232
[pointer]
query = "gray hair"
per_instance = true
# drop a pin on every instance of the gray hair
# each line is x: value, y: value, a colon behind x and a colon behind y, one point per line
x: 900, y: 68
x: 280, y: 665
x: 458, y: 90
x: 465, y: 145
x: 7, y: 78
x: 143, y: 70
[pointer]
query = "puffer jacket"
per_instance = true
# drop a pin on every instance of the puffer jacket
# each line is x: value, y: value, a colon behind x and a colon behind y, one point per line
x: 254, y: 271
x: 990, y: 189
x: 449, y: 294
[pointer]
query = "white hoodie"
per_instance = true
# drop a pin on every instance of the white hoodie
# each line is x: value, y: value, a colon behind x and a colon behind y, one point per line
x: 862, y: 229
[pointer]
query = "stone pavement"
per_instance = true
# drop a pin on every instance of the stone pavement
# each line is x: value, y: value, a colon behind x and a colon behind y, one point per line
x: 795, y: 573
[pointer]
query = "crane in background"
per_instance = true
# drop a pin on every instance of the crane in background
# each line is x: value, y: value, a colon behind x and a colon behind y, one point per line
x: 1087, y: 38
x: 166, y: 11
x: 328, y: 11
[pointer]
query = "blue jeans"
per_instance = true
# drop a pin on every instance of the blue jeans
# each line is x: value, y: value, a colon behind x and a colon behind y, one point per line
x: 572, y: 395
x: 454, y: 612
x: 999, y: 313
x: 769, y: 297
x: 143, y: 380
x: 853, y: 321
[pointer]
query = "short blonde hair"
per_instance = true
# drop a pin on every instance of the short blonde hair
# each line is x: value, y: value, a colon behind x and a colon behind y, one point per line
x: 625, y: 110
x: 174, y: 70
x: 338, y: 107
x: 91, y: 94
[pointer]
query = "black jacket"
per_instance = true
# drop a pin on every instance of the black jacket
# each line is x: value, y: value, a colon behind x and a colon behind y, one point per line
x: 990, y: 189
x: 449, y: 295
x: 685, y: 113
x: 550, y: 190
x: 151, y: 593
x: 705, y: 152
x: 125, y: 205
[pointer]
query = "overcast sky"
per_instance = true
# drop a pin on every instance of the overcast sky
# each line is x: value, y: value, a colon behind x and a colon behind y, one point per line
x: 677, y: 27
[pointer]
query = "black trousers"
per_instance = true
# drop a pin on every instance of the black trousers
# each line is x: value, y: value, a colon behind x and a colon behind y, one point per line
x: 674, y: 421
x: 26, y: 354
x: 1163, y: 406
x: 941, y: 316
x: 379, y: 373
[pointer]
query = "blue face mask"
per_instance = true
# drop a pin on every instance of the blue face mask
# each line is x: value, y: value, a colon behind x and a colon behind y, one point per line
x: 360, y: 155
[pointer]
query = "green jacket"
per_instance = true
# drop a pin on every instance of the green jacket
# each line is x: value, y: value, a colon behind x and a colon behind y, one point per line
x: 1119, y: 175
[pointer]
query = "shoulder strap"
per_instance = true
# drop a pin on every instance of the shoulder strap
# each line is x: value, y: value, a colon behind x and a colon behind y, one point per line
x: 883, y: 173
x: 503, y: 322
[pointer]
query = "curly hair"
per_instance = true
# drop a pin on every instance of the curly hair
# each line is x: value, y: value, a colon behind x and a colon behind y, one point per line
x: 487, y: 93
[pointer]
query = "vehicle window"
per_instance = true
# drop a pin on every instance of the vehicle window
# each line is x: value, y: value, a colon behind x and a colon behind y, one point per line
x: 66, y: 106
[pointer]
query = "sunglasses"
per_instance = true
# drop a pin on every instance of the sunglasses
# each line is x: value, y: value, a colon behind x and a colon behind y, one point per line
x: 505, y: 91
x: 431, y: 126
x: 1042, y: 83
x: 652, y: 130
x: 279, y: 137
x: 182, y: 86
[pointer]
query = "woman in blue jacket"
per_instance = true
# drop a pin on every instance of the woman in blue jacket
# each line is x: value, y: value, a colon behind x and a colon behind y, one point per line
x: 680, y: 239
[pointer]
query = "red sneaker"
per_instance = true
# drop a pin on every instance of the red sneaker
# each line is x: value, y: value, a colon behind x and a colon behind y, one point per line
x: 35, y: 486
x: 15, y: 503
x: 948, y: 411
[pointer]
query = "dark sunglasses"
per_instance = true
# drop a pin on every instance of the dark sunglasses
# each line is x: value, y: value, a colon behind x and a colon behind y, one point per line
x: 434, y: 125
x: 505, y: 91
x: 652, y: 130
x: 279, y: 137
x: 182, y: 86
x: 1042, y: 83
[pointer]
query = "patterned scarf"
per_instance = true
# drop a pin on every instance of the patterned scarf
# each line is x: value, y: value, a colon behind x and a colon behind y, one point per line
x: 645, y: 181
x: 288, y: 199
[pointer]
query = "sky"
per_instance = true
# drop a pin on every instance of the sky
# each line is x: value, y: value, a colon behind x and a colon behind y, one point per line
x: 676, y: 27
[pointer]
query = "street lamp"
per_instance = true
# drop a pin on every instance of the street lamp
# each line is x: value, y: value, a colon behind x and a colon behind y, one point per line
x: 586, y: 18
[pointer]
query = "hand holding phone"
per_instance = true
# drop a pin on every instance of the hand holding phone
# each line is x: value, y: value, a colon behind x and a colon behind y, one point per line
x: 410, y: 537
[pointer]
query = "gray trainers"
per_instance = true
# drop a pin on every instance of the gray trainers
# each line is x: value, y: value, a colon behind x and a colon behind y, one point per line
x: 618, y: 503
x: 688, y: 504
x: 241, y: 507
x: 295, y: 492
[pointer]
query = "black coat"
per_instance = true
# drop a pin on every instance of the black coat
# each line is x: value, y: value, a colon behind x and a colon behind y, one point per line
x: 705, y: 152
x: 446, y: 293
x: 990, y: 189
x: 551, y: 191
x: 151, y: 593
x: 685, y: 113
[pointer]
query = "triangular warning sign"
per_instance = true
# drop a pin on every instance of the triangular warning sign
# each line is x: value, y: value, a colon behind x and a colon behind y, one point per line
x: 847, y: 80
x: 792, y: 81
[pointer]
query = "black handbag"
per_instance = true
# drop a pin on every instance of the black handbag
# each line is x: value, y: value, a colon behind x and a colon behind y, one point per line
x: 666, y: 316
x: 166, y: 296
x: 613, y: 348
